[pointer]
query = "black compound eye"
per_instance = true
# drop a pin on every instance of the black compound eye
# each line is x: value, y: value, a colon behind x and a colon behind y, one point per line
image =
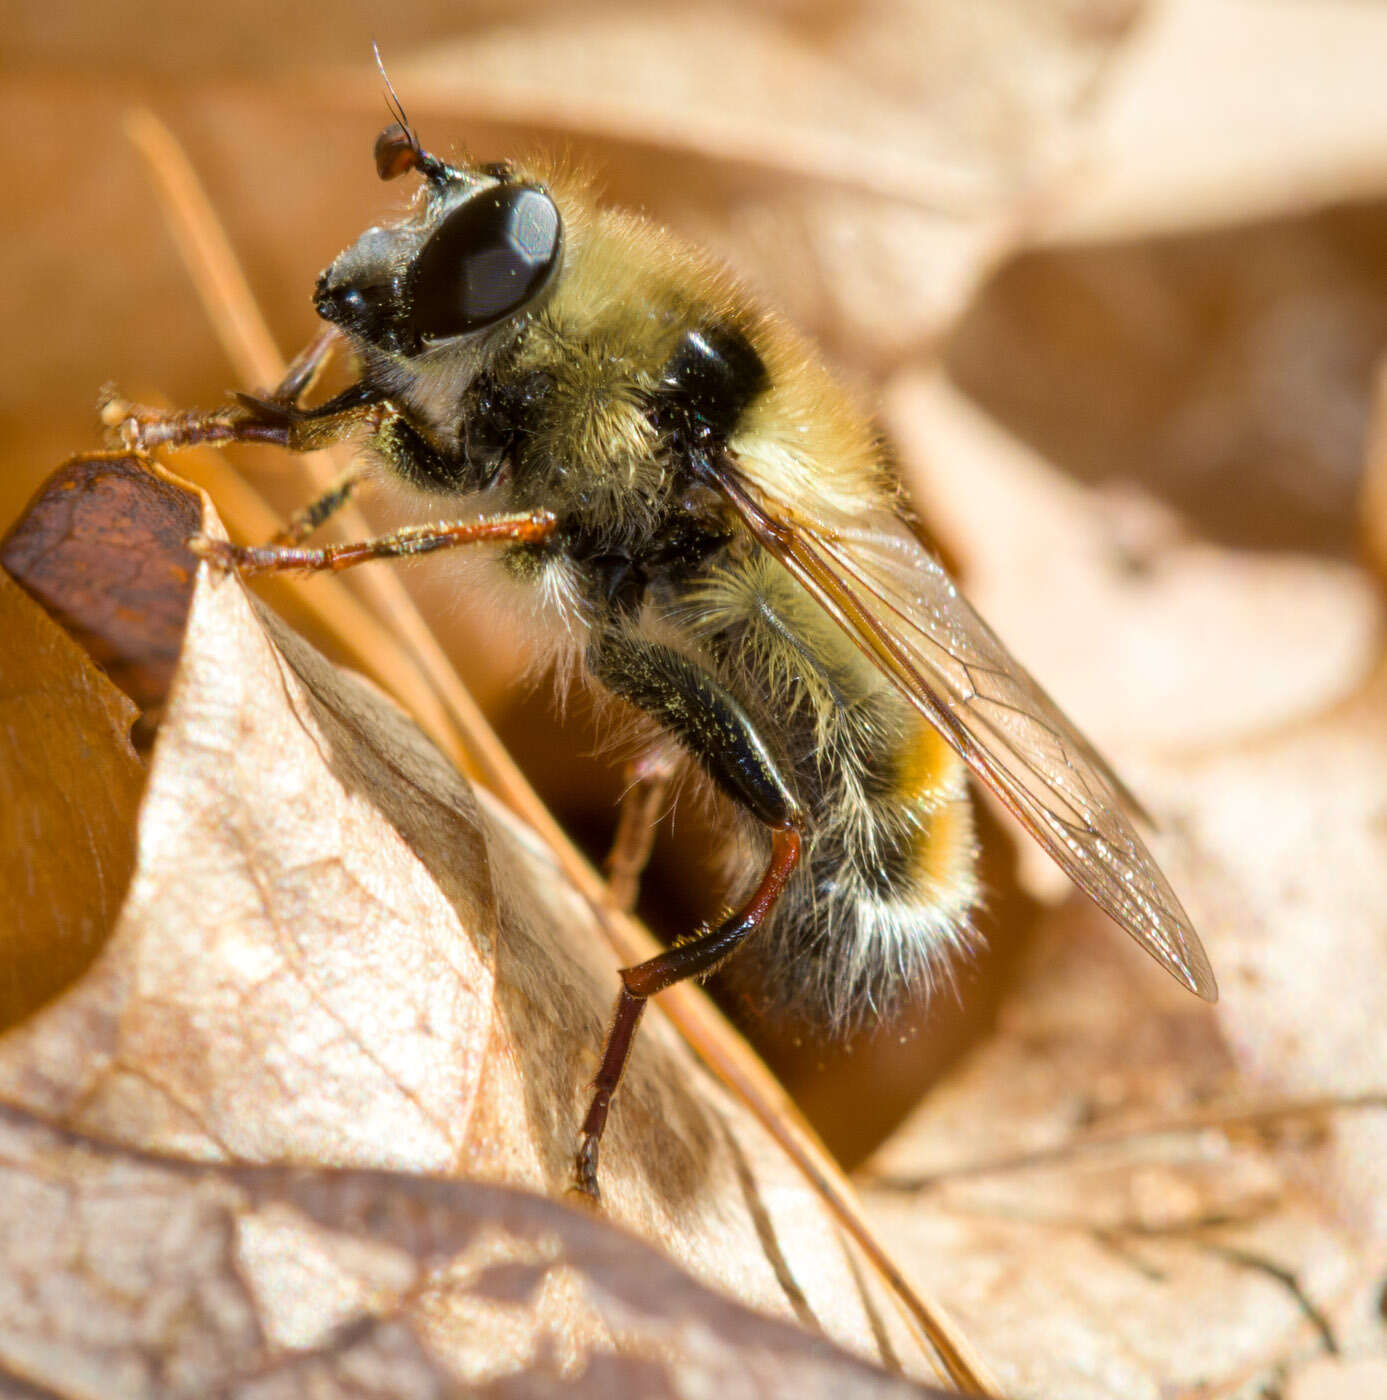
x: 491, y: 256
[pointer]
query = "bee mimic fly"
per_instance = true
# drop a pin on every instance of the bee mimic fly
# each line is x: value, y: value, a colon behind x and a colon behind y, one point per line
x: 673, y: 478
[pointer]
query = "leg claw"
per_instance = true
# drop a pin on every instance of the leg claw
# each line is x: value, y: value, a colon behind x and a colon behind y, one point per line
x: 585, y: 1173
x: 122, y: 420
x: 220, y: 554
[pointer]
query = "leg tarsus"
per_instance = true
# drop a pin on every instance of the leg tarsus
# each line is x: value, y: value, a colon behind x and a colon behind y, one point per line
x: 305, y: 368
x: 276, y: 418
x: 696, y: 958
x: 308, y: 518
x: 140, y: 429
x: 531, y: 527
x: 625, y: 1019
x: 303, y: 425
x: 649, y: 777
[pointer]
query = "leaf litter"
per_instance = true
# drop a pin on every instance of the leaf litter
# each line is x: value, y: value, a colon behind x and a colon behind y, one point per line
x: 334, y: 954
x: 1097, y: 1176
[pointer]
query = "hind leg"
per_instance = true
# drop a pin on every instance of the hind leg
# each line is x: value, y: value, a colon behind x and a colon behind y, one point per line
x: 717, y: 731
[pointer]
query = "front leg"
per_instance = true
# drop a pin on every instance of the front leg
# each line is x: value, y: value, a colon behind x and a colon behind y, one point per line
x: 277, y: 417
x: 694, y: 707
x: 406, y: 451
x: 249, y: 419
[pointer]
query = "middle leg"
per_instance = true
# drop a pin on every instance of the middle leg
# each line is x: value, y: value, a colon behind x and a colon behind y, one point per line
x: 529, y: 527
x: 649, y: 775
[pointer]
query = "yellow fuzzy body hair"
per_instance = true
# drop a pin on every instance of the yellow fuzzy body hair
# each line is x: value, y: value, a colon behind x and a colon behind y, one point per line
x: 884, y: 889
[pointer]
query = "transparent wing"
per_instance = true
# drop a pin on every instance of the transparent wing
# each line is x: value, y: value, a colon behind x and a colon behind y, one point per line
x: 896, y: 602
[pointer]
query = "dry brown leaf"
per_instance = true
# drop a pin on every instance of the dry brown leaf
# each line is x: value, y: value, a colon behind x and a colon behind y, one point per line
x: 103, y: 548
x: 1232, y: 110
x: 1155, y: 640
x: 1282, y: 849
x: 69, y: 787
x: 1097, y: 1176
x: 331, y: 954
x: 1089, y: 1257
x: 123, y: 1273
x: 1226, y: 372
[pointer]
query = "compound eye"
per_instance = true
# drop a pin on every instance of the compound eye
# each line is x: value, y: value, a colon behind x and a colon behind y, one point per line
x: 491, y: 256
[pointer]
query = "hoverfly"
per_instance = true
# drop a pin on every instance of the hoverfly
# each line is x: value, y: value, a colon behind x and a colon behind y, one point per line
x: 677, y: 483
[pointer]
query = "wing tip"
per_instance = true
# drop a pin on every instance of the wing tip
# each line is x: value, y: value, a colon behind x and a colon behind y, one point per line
x: 1196, y: 973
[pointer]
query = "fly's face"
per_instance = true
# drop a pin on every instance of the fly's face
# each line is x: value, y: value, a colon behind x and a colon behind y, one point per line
x: 482, y: 251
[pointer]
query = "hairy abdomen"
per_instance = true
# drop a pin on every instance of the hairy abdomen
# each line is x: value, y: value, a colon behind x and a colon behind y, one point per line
x: 881, y: 903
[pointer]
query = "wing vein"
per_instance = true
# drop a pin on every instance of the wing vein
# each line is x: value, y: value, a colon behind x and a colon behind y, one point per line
x: 894, y: 600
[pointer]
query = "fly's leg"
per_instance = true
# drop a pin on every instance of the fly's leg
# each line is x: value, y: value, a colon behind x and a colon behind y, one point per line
x: 531, y: 527
x: 277, y: 418
x: 280, y: 419
x: 247, y: 419
x: 304, y: 521
x: 696, y: 958
x: 718, y: 732
x: 649, y: 777
x: 408, y: 453
x: 307, y: 366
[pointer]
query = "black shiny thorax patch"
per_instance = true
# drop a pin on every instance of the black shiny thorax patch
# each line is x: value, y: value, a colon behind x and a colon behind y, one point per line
x: 707, y: 383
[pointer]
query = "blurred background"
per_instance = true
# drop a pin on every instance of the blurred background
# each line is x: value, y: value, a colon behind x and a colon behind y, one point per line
x: 1144, y: 242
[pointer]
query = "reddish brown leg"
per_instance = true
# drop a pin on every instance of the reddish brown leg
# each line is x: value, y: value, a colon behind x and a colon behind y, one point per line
x: 142, y: 429
x: 696, y: 958
x: 306, y: 366
x: 276, y: 418
x: 533, y: 527
x: 649, y: 777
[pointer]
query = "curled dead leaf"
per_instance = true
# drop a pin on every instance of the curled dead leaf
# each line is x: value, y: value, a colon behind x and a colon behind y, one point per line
x: 103, y: 548
x: 124, y: 1273
x: 1117, y: 1160
x: 333, y: 953
x: 69, y: 788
